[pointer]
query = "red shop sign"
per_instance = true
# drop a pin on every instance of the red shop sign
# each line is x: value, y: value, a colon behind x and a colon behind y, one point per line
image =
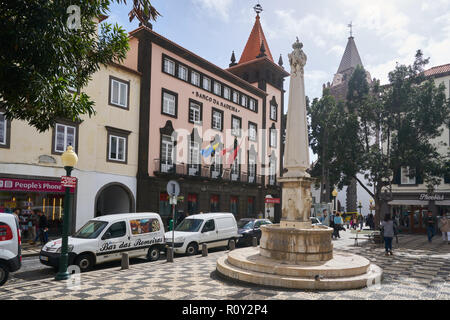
x: 7, y: 184
x: 273, y: 200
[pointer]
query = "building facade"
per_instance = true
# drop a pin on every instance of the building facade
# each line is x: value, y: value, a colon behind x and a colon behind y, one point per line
x: 411, y: 198
x: 214, y: 130
x: 107, y: 148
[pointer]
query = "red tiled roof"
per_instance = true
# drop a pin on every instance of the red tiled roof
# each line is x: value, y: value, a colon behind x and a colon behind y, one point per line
x: 437, y: 70
x: 253, y: 46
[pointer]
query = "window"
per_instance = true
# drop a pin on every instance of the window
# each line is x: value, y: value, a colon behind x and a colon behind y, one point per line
x: 165, y: 208
x: 252, y: 104
x: 195, y: 112
x: 216, y: 166
x: 273, y: 137
x: 244, y: 101
x: 65, y: 136
x: 251, y: 168
x: 169, y: 66
x: 272, y: 172
x: 252, y: 131
x: 117, y: 148
x: 236, y: 126
x: 235, y: 97
x: 117, y: 230
x: 192, y: 203
x: 273, y: 112
x: 227, y: 93
x: 166, y: 153
x: 118, y: 92
x: 234, y: 205
x: 250, y: 206
x: 405, y: 178
x: 169, y: 103
x: 194, y: 158
x: 209, y: 226
x: 214, y: 203
x: 143, y: 226
x: 195, y: 78
x: 235, y: 170
x: 3, y: 127
x: 207, y: 84
x: 182, y: 73
x: 217, y: 88
x: 217, y: 119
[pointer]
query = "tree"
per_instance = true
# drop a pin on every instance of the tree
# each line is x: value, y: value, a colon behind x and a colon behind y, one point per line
x: 396, y: 125
x: 44, y: 63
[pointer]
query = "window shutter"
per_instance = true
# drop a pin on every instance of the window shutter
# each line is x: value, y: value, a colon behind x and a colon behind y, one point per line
x: 397, y: 175
x: 419, y: 177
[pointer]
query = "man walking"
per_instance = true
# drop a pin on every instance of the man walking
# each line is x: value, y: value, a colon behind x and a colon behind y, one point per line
x: 430, y: 223
x: 43, y: 227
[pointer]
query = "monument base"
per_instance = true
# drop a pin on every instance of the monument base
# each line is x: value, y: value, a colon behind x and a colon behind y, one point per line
x: 345, y: 271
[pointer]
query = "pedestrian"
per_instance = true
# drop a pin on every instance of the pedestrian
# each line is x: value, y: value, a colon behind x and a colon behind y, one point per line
x: 338, y: 222
x: 43, y: 227
x: 445, y: 228
x: 16, y: 213
x: 370, y: 221
x: 323, y: 218
x: 32, y: 228
x: 388, y: 233
x: 333, y: 215
x: 355, y: 222
x: 430, y: 223
x: 361, y: 221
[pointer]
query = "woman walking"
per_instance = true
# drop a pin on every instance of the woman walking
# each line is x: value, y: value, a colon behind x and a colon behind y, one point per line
x: 388, y: 233
x: 338, y: 222
x: 445, y: 229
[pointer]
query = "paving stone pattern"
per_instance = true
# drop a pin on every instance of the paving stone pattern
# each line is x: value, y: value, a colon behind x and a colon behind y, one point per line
x: 418, y: 270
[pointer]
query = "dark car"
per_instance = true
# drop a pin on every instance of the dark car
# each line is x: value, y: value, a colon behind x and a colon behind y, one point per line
x: 249, y: 228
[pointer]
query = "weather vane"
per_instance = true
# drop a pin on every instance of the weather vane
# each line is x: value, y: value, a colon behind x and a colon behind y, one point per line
x: 350, y: 25
x: 258, y: 9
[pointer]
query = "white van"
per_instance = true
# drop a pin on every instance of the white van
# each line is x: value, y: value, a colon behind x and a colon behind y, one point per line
x: 10, y: 241
x: 104, y: 239
x: 214, y: 229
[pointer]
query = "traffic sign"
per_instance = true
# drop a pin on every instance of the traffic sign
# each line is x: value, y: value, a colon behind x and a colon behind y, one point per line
x: 273, y: 200
x: 173, y: 188
x: 69, y: 182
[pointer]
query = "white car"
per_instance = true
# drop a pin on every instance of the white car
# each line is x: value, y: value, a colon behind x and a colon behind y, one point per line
x: 105, y: 238
x: 10, y: 241
x: 214, y: 229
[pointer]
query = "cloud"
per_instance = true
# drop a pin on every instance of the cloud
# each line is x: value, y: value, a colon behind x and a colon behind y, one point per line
x: 216, y: 7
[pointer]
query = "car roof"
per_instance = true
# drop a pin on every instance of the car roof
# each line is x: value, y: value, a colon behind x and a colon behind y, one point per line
x: 7, y: 216
x: 210, y: 215
x: 120, y: 216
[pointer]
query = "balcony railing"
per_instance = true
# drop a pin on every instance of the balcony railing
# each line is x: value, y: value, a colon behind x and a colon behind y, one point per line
x: 205, y: 171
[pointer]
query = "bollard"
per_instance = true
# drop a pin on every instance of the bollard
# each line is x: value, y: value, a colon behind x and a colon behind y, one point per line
x: 204, y: 250
x: 255, y: 242
x: 169, y: 254
x: 232, y: 245
x: 125, y: 261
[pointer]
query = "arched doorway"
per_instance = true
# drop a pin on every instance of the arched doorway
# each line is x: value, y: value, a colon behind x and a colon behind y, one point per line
x: 114, y: 198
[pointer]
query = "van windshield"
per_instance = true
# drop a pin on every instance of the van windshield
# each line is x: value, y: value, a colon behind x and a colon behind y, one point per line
x: 189, y: 225
x: 91, y: 230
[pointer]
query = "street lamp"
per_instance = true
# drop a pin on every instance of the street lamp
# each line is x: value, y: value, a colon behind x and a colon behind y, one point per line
x: 360, y: 206
x: 69, y: 160
x: 371, y: 205
x: 335, y: 193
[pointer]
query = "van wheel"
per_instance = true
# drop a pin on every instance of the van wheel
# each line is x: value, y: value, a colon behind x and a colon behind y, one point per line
x: 153, y: 254
x: 4, y: 273
x: 84, y: 262
x: 192, y: 249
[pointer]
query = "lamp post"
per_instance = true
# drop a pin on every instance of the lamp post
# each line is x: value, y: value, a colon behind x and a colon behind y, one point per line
x: 371, y: 205
x: 69, y: 160
x: 334, y: 194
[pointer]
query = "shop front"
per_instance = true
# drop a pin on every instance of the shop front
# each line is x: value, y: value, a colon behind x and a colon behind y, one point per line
x: 28, y: 195
x: 410, y: 210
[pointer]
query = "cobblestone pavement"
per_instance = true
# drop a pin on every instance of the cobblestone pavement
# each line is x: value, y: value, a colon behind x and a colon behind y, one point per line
x: 418, y: 270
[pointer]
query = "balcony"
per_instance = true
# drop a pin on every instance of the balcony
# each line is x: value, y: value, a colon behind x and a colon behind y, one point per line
x: 205, y: 172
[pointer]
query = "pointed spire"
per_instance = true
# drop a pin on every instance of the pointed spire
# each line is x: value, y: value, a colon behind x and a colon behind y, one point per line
x: 255, y: 42
x: 351, y: 57
x: 262, y: 51
x: 233, y: 60
x: 280, y: 61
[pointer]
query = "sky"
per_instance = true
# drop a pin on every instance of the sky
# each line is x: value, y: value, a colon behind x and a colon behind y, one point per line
x: 385, y: 31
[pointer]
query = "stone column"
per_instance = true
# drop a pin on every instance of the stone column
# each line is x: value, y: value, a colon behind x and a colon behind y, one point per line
x: 296, y: 182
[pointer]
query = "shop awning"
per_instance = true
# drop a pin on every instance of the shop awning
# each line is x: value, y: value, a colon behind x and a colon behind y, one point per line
x: 408, y: 203
x: 443, y: 203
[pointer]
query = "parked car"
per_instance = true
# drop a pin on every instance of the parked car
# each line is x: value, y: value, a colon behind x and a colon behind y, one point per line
x: 249, y: 228
x: 214, y: 229
x: 10, y: 246
x: 104, y: 239
x: 316, y: 222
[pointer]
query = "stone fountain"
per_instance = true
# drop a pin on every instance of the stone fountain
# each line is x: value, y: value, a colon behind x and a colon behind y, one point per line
x: 296, y: 254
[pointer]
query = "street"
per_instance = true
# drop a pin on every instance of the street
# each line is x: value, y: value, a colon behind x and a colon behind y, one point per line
x: 418, y: 270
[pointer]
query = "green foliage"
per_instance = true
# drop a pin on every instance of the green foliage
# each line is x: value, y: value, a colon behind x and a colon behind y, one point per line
x: 41, y: 58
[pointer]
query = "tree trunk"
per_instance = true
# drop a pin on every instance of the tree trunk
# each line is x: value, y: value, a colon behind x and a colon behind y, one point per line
x: 351, y: 197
